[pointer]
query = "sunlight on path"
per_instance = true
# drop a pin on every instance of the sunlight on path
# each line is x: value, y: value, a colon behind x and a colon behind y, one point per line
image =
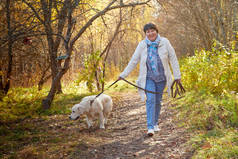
x: 136, y: 111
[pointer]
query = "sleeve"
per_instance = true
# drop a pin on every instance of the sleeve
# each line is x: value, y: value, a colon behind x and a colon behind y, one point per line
x: 173, y: 61
x: 133, y: 62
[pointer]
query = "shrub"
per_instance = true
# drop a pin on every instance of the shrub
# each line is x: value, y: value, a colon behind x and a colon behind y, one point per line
x: 214, y: 71
x: 210, y: 107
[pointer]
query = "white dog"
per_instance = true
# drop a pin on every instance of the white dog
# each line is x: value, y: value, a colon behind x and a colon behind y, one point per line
x: 92, y: 108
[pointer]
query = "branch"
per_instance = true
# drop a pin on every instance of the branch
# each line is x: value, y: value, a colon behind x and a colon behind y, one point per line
x: 105, y: 10
x: 34, y: 10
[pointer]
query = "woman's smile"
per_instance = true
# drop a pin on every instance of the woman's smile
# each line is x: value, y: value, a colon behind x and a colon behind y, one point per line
x: 151, y: 34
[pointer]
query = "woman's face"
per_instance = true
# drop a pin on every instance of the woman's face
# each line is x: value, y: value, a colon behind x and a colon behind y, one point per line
x: 151, y: 34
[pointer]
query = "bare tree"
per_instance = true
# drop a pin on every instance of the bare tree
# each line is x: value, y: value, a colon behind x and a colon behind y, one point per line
x: 15, y: 44
x: 6, y: 87
x: 195, y: 24
x: 63, y: 32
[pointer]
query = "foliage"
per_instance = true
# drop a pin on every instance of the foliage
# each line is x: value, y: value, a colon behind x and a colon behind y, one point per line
x: 214, y: 71
x: 204, y: 111
x: 217, y: 143
x: 112, y: 72
x: 210, y: 108
x: 22, y: 103
x: 92, y: 69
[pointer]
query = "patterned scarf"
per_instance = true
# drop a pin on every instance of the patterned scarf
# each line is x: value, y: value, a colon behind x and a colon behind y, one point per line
x: 152, y: 50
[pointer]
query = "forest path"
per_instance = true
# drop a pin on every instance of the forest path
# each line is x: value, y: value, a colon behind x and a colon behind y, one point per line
x: 125, y: 136
x: 57, y: 137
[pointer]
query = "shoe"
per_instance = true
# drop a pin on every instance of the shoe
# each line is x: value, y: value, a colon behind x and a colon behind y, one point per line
x: 156, y: 128
x: 150, y: 132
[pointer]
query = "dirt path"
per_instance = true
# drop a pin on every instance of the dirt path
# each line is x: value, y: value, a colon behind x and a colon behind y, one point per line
x: 126, y: 137
x: 57, y: 137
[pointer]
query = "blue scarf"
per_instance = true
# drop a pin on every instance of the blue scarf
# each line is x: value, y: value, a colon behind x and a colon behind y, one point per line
x: 154, y: 64
x: 152, y: 50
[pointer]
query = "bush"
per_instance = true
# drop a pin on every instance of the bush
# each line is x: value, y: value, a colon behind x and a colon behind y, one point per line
x: 210, y: 107
x: 20, y: 103
x: 214, y: 71
x: 92, y: 71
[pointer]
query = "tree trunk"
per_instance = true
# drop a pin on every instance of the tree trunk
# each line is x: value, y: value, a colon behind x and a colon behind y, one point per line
x: 59, y: 88
x: 1, y: 83
x: 42, y: 81
x: 1, y: 88
x: 235, y: 27
x: 46, y: 103
x: 97, y: 77
x: 10, y: 43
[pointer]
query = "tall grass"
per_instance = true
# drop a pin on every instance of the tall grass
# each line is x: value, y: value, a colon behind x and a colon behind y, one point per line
x: 210, y: 108
x: 21, y: 103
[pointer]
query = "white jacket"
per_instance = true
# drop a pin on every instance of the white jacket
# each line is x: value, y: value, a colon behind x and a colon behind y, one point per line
x: 167, y: 55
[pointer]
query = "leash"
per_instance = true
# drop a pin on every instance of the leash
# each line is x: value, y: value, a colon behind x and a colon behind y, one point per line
x: 179, y: 88
x: 91, y: 102
x: 140, y: 87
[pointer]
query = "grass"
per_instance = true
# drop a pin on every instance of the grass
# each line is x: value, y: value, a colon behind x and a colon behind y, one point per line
x: 27, y: 131
x: 216, y: 143
x: 213, y: 123
x: 210, y: 108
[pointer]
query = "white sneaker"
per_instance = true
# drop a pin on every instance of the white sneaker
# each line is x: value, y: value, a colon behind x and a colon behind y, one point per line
x: 156, y: 128
x: 150, y: 132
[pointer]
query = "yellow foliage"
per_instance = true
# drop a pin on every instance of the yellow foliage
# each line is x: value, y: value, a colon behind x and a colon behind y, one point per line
x: 215, y: 71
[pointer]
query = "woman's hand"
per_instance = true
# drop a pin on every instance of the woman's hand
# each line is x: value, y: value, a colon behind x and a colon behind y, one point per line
x: 119, y: 78
x: 178, y: 80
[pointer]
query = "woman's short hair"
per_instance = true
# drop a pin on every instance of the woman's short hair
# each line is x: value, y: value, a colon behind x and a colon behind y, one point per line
x: 150, y: 26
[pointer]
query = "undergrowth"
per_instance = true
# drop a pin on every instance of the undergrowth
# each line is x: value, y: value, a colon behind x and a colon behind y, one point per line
x: 210, y: 107
x: 22, y: 103
x: 22, y: 106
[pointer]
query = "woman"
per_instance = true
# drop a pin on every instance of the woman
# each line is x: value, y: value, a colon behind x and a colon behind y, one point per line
x: 154, y: 54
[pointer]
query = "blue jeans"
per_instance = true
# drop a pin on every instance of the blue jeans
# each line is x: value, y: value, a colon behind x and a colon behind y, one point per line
x: 153, y: 101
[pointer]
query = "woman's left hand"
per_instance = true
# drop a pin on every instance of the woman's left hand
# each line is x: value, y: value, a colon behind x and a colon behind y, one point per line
x: 178, y: 80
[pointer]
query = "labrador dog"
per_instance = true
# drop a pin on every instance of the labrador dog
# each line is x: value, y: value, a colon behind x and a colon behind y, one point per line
x: 92, y: 107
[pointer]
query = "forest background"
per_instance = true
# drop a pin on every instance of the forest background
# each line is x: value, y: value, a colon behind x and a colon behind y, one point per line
x: 86, y: 43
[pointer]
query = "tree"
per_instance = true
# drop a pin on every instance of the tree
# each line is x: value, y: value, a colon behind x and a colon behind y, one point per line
x: 195, y: 24
x: 58, y: 21
x: 14, y: 28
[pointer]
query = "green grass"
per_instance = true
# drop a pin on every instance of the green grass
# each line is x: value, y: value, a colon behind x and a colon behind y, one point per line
x: 213, y: 122
x: 216, y: 143
x: 22, y: 106
x: 21, y: 103
x: 210, y: 108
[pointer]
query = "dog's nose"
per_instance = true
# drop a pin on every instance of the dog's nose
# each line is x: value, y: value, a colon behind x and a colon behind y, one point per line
x: 69, y: 117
